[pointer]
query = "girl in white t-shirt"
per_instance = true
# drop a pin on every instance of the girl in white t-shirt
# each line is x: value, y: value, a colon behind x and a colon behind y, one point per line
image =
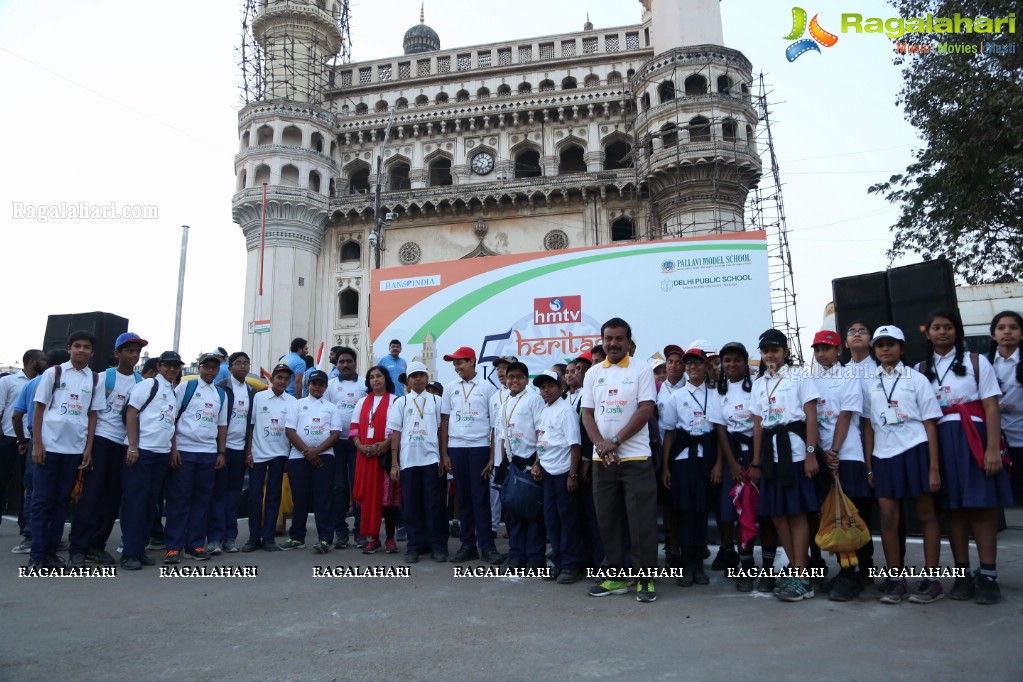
x: 1004, y: 355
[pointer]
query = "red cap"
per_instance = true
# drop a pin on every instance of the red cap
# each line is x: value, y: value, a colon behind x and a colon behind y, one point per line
x: 463, y: 353
x: 668, y: 350
x: 585, y: 355
x: 826, y: 337
x: 698, y: 352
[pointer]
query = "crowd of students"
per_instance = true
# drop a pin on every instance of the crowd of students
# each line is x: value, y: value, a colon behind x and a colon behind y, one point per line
x: 608, y: 438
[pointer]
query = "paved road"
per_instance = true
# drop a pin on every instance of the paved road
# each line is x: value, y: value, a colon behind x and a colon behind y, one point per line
x: 285, y: 624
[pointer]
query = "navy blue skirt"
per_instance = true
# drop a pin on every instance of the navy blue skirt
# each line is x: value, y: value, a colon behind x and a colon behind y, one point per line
x: 779, y: 500
x: 853, y: 477
x: 690, y: 483
x: 904, y: 476
x: 963, y: 483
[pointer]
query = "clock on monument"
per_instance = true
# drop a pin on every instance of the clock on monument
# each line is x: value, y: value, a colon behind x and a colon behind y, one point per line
x: 482, y: 163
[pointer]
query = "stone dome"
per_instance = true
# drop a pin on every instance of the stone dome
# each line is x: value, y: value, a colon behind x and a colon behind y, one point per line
x: 421, y: 38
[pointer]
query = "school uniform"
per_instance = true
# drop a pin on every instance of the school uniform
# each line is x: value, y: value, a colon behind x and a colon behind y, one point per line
x: 269, y: 447
x: 142, y: 482
x: 25, y: 404
x: 65, y: 432
x: 12, y: 463
x: 898, y: 403
x: 1010, y: 405
x: 557, y: 430
x: 190, y: 486
x: 737, y: 416
x: 228, y: 482
x: 416, y: 418
x: 864, y: 369
x: 344, y: 394
x: 778, y: 400
x: 963, y: 481
x: 467, y: 404
x: 314, y: 420
x: 840, y: 393
x: 100, y: 498
x: 497, y: 475
x: 515, y: 425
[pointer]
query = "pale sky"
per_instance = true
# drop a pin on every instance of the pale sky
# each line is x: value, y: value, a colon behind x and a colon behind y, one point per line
x: 136, y: 103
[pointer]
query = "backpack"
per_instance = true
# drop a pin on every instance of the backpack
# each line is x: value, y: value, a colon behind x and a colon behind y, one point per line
x: 152, y: 394
x: 111, y: 379
x: 190, y: 387
x: 225, y: 386
x: 58, y: 370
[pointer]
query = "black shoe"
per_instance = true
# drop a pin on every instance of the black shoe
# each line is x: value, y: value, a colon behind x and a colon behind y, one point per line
x: 146, y: 560
x: 726, y: 558
x: 826, y: 586
x: 271, y: 547
x: 340, y: 543
x: 987, y: 590
x: 253, y: 545
x: 34, y: 564
x: 76, y: 561
x: 411, y: 557
x: 465, y: 554
x: 844, y: 588
x: 819, y: 563
x: 100, y: 556
x: 130, y: 563
x: 766, y: 584
x: 492, y: 556
x: 572, y: 575
x: 552, y: 574
x: 744, y: 584
x: 963, y: 589
x: 699, y: 575
x: 509, y: 563
x: 54, y: 561
x: 439, y: 556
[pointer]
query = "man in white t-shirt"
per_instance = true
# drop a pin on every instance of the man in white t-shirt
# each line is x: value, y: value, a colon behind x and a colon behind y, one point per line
x: 15, y: 467
x: 63, y: 427
x: 618, y: 402
x: 344, y: 392
x: 100, y: 498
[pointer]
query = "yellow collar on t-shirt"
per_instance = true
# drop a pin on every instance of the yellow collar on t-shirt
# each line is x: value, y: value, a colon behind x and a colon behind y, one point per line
x: 623, y: 363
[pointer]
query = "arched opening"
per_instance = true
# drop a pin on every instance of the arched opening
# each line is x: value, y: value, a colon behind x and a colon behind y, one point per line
x: 442, y: 98
x: 525, y: 88
x: 699, y: 129
x: 696, y: 85
x: 289, y: 176
x: 422, y: 101
x: 724, y: 85
x: 241, y: 179
x: 568, y: 83
x: 483, y: 93
x: 440, y: 172
x: 333, y: 187
x: 398, y: 177
x: 614, y: 78
x: 666, y: 92
x: 616, y: 155
x: 245, y: 139
x: 314, y: 181
x: 623, y: 230
x: 264, y: 135
x: 571, y: 160
x: 669, y: 135
x: 348, y: 303
x: 381, y: 106
x: 351, y: 252
x: 744, y: 89
x: 358, y: 181
x: 362, y: 108
x: 750, y: 138
x: 402, y: 103
x: 729, y: 130
x: 292, y: 136
x: 592, y: 81
x: 527, y: 164
x: 317, y: 142
x: 547, y: 86
x: 504, y: 91
x: 644, y: 101
x: 262, y: 175
x: 462, y: 96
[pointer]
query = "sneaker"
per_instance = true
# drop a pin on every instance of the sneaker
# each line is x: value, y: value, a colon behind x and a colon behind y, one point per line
x: 156, y: 542
x: 23, y: 547
x: 252, y: 545
x: 130, y: 563
x: 766, y: 584
x: 371, y: 547
x: 686, y: 579
x: 341, y: 542
x: 230, y: 546
x: 172, y: 556
x: 465, y: 554
x: 437, y: 555
x: 214, y: 547
x: 844, y: 588
x: 322, y: 547
x: 963, y: 589
x: 699, y: 575
x: 987, y: 590
x: 795, y: 590
x: 271, y: 547
x: 927, y: 592
x: 77, y: 561
x: 569, y: 576
x: 100, y: 556
x: 896, y: 592
x: 290, y: 544
x: 411, y: 557
x: 401, y: 535
x: 744, y: 584
x: 391, y: 546
x: 198, y: 554
x: 645, y: 591
x: 726, y: 558
x: 607, y: 587
x: 147, y: 560
x: 492, y: 556
x: 53, y: 561
x: 361, y: 542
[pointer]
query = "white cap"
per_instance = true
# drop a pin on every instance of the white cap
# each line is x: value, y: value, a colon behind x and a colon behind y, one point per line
x: 546, y: 377
x: 413, y: 368
x: 705, y: 346
x: 888, y: 331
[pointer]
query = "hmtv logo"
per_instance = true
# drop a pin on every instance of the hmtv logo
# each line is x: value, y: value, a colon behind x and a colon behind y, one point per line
x: 557, y: 310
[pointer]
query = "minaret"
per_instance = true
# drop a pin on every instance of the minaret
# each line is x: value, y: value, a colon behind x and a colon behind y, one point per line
x: 430, y: 355
x: 683, y: 22
x: 286, y: 142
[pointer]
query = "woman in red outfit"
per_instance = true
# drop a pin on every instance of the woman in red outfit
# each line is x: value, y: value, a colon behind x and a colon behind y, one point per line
x: 374, y: 491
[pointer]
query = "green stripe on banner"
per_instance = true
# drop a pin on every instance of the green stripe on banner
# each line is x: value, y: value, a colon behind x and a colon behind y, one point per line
x: 439, y: 323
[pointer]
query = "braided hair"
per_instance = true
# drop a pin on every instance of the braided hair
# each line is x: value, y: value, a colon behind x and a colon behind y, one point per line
x: 994, y: 344
x: 747, y: 382
x: 958, y: 367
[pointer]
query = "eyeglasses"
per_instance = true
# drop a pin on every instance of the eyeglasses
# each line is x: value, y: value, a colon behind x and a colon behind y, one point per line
x: 858, y: 332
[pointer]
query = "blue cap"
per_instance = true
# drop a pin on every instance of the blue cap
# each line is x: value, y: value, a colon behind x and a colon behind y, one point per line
x: 129, y: 337
x: 316, y: 375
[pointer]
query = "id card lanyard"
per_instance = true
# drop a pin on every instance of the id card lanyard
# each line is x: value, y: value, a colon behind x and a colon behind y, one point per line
x: 891, y: 415
x: 943, y: 390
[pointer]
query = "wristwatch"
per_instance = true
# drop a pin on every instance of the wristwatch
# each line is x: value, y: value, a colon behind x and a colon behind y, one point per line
x: 810, y: 449
x: 614, y: 439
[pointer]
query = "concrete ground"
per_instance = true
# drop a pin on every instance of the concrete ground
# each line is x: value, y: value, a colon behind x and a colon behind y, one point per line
x: 285, y: 624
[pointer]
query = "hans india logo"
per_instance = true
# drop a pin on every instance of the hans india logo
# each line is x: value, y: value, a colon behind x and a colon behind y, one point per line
x: 817, y: 35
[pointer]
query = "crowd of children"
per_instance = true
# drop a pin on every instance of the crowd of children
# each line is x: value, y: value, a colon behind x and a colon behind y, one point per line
x: 606, y: 439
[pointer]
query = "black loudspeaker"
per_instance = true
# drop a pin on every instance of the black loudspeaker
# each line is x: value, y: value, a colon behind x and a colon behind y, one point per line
x: 864, y: 298
x: 915, y: 291
x: 105, y: 326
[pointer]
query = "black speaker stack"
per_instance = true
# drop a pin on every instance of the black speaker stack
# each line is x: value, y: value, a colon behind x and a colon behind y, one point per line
x: 106, y: 327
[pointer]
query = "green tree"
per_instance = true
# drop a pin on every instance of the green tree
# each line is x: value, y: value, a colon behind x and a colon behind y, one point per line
x: 962, y: 197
